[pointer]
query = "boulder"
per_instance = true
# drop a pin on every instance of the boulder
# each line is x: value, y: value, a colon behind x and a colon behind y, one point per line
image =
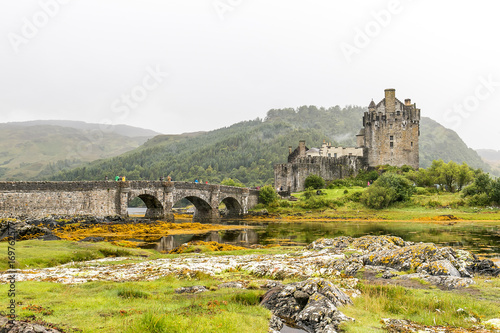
x: 484, y: 267
x: 310, y: 305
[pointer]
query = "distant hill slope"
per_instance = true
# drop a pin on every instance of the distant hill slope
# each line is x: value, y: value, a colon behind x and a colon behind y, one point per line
x: 491, y: 157
x: 124, y: 130
x: 247, y: 151
x: 33, y: 150
x: 489, y: 154
x: 439, y: 142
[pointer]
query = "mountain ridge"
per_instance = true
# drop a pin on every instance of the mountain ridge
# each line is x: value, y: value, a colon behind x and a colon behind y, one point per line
x: 247, y: 151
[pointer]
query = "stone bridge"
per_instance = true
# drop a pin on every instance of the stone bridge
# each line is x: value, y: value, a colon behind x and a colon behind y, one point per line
x: 110, y: 198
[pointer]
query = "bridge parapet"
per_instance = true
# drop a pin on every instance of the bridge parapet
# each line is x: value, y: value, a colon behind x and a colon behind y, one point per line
x: 108, y: 198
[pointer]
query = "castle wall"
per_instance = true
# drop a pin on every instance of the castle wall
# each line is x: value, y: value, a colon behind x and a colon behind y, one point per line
x: 291, y: 176
x: 329, y: 151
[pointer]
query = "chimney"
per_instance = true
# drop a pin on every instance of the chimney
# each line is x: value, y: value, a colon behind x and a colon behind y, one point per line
x: 390, y: 100
x: 407, y: 102
x: 302, y: 148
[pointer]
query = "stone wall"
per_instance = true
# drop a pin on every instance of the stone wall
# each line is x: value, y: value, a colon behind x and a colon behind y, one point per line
x: 291, y: 176
x: 39, y: 199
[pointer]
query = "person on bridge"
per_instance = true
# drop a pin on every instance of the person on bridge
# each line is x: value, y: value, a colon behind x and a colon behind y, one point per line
x: 117, y: 178
x: 196, y: 181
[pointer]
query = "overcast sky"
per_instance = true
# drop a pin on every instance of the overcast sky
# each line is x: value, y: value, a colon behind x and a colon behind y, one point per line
x: 179, y: 66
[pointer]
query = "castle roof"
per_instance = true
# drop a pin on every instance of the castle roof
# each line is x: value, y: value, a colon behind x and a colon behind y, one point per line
x: 382, y: 102
x: 372, y: 104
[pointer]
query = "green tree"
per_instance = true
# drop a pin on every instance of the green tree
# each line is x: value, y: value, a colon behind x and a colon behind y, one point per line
x: 465, y: 176
x: 267, y: 194
x: 449, y: 173
x: 231, y: 182
x: 314, y: 181
x: 495, y: 191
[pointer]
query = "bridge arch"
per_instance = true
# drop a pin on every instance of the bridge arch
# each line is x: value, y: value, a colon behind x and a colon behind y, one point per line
x: 203, y: 211
x: 233, y: 206
x: 154, y: 208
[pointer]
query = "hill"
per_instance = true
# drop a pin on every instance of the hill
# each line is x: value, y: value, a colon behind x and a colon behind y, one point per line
x: 492, y: 158
x: 247, y: 151
x: 37, y: 149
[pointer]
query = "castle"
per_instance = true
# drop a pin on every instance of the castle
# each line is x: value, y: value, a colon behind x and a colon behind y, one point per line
x: 389, y: 136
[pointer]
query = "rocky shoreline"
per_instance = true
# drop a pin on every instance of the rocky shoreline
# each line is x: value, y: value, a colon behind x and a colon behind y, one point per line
x: 327, y: 268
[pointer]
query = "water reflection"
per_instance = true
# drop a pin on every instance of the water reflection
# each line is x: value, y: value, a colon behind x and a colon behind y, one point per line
x: 244, y: 237
x: 480, y: 238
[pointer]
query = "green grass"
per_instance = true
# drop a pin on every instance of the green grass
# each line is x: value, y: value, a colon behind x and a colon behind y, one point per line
x: 40, y: 254
x: 335, y: 203
x: 152, y: 306
x: 424, y: 306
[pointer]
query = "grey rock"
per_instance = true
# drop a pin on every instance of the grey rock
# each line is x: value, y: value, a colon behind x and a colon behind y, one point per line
x: 275, y: 324
x: 439, y: 267
x: 23, y: 327
x: 236, y: 285
x: 191, y: 290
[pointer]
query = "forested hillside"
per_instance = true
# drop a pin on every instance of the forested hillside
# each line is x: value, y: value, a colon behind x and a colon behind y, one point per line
x: 248, y: 150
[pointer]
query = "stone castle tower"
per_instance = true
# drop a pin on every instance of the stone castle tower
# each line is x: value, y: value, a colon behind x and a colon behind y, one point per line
x: 390, y: 132
x: 389, y: 136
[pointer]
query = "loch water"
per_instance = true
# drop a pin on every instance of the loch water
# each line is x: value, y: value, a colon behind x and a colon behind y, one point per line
x: 481, y: 238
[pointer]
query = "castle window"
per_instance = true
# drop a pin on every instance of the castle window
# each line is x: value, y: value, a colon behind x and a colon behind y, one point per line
x: 412, y: 143
x: 329, y: 155
x: 392, y: 144
x: 391, y: 137
x: 390, y: 126
x: 335, y: 155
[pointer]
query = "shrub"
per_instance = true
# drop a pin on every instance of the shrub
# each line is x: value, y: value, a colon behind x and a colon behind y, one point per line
x: 354, y: 197
x: 457, y: 203
x: 421, y: 191
x: 479, y: 200
x: 309, y: 193
x: 433, y: 204
x: 267, y: 195
x: 378, y: 197
x: 367, y: 176
x: 403, y: 188
x: 314, y: 181
x: 318, y: 202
